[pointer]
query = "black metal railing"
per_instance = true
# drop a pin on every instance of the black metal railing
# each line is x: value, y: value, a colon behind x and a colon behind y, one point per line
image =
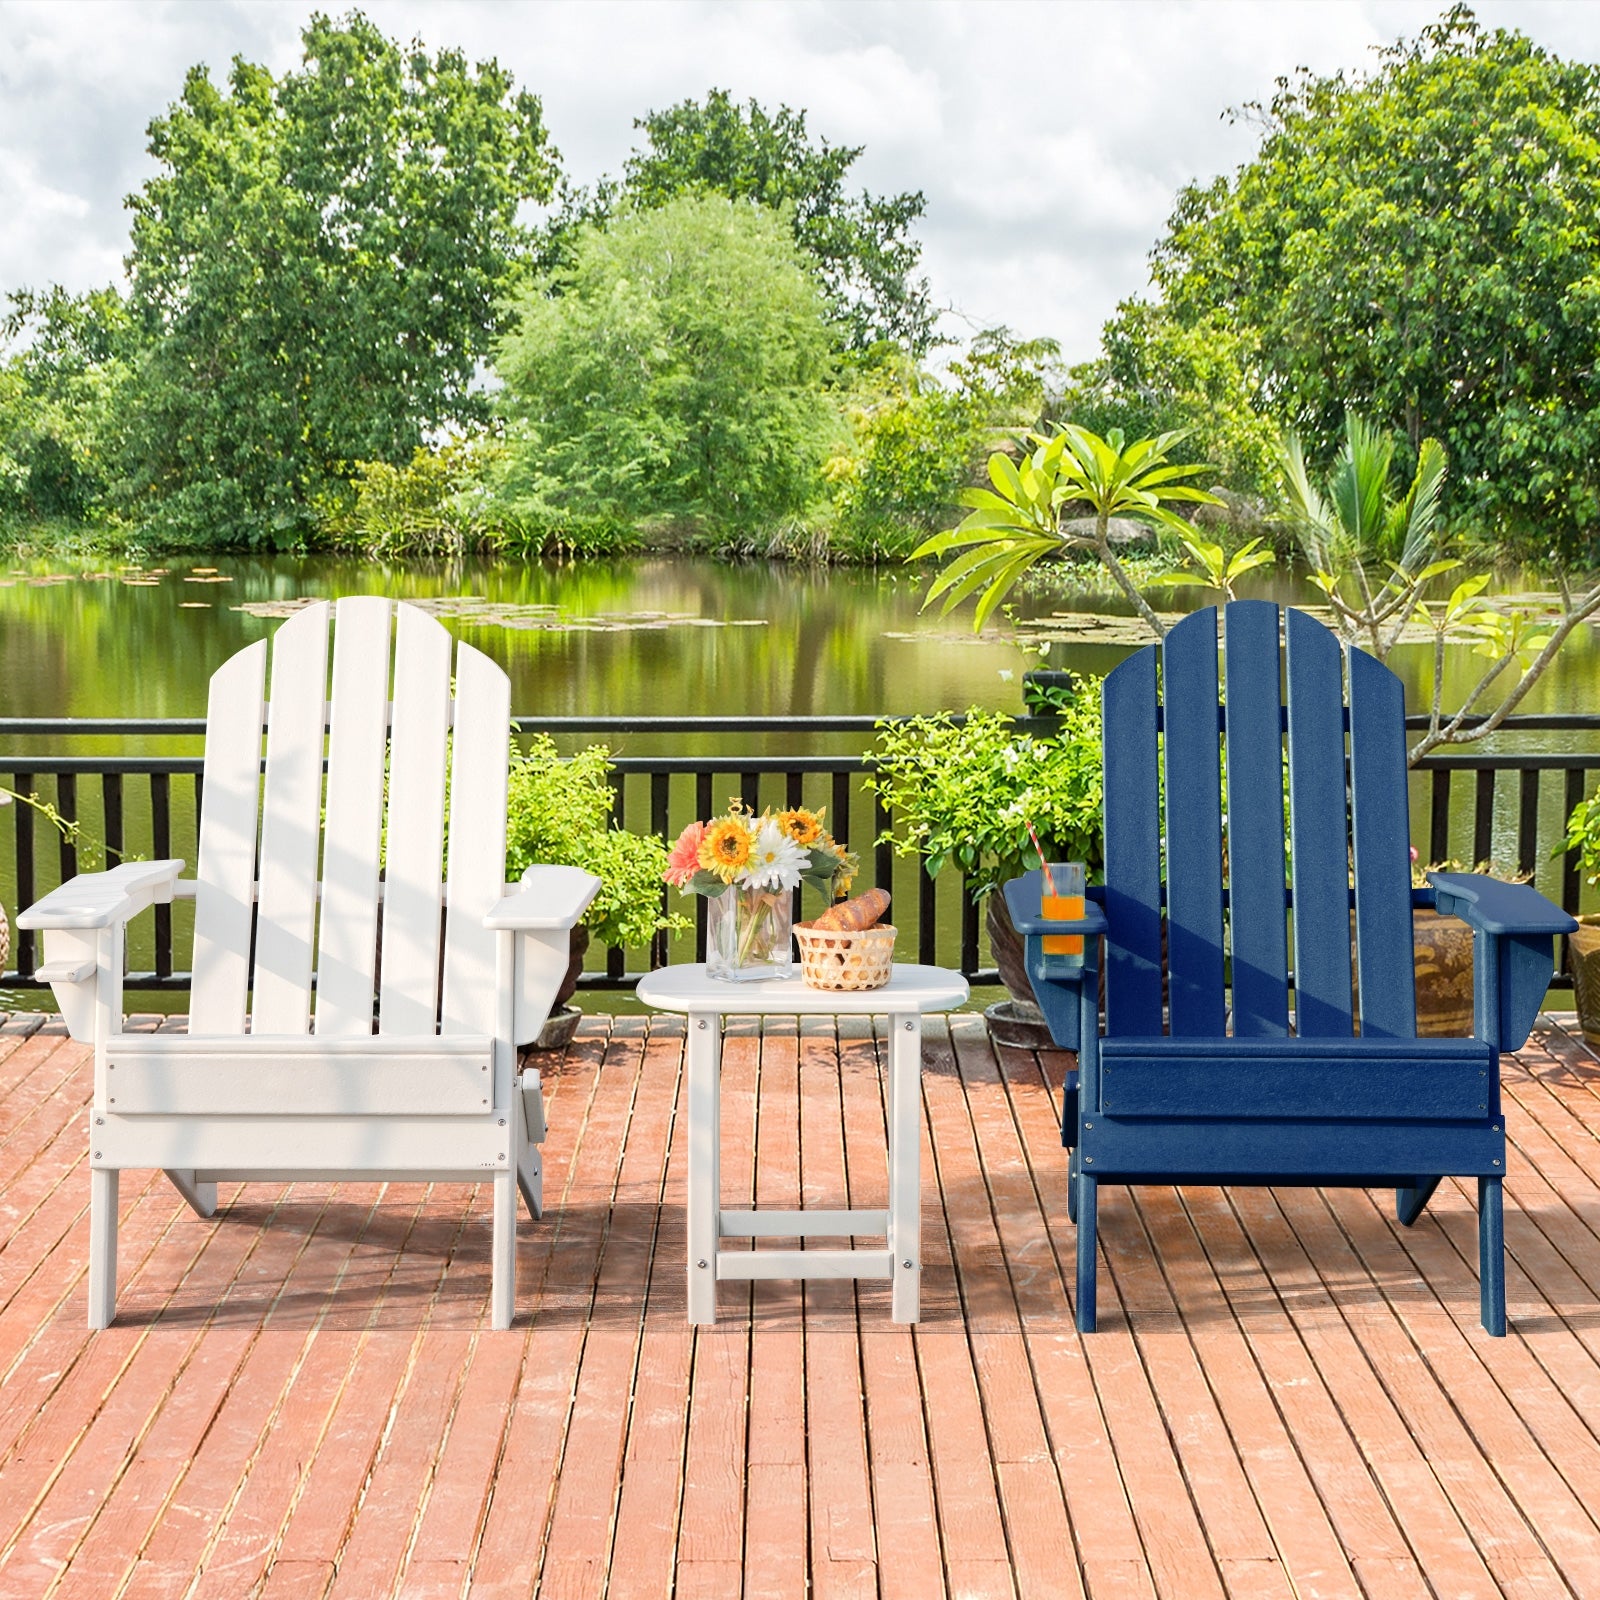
x: 1507, y: 807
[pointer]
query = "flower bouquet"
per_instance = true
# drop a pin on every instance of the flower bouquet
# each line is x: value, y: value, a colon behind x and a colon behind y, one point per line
x: 748, y: 868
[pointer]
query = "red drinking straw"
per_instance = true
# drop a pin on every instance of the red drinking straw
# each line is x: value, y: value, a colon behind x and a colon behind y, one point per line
x: 1049, y: 876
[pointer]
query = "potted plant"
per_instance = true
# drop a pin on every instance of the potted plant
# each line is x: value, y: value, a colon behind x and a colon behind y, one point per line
x: 1583, y: 943
x: 963, y: 792
x: 559, y: 813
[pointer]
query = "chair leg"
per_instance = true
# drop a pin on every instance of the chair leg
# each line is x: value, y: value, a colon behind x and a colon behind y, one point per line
x: 1086, y: 1252
x: 1410, y: 1199
x: 201, y: 1197
x: 530, y: 1181
x: 1491, y: 1257
x: 503, y: 1285
x: 102, y: 1246
x: 530, y: 1167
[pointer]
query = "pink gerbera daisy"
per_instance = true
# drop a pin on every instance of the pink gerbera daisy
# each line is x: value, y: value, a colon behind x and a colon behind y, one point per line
x: 684, y: 860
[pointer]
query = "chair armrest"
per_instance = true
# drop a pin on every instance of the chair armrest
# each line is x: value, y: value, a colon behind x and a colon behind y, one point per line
x: 103, y: 899
x: 548, y: 898
x: 1494, y: 906
x: 1024, y: 897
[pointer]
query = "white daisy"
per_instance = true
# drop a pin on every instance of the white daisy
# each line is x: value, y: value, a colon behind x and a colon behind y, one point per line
x: 776, y: 861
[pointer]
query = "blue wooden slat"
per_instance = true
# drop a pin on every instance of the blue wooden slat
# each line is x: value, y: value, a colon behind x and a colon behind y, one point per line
x: 1197, y: 1004
x: 1380, y: 831
x: 1133, y: 848
x: 1257, y: 897
x: 1319, y: 831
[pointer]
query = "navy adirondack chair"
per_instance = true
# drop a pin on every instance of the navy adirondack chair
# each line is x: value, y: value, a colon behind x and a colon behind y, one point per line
x: 1294, y: 1084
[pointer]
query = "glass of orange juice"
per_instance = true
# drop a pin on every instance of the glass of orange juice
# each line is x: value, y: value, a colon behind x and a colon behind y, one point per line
x: 1065, y: 905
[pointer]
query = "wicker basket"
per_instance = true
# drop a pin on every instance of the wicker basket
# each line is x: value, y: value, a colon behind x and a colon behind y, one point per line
x: 832, y: 959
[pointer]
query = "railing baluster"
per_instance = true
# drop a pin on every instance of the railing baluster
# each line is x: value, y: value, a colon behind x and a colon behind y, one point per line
x: 1483, y: 817
x: 969, y: 927
x: 111, y: 809
x: 1439, y: 823
x: 161, y: 850
x: 67, y: 808
x: 27, y: 893
x: 660, y: 793
x: 927, y: 918
x: 1528, y: 822
x: 839, y: 815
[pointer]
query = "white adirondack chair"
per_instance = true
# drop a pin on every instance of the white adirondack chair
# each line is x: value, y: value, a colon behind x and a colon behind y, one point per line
x: 399, y: 1065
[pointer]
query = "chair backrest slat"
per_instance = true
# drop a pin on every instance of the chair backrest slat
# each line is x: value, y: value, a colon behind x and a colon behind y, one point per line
x: 226, y: 868
x: 347, y: 934
x: 1256, y: 886
x: 1168, y: 849
x: 1319, y: 830
x: 414, y: 835
x: 1380, y: 827
x: 477, y: 846
x: 1194, y: 825
x: 291, y: 825
x: 1133, y: 849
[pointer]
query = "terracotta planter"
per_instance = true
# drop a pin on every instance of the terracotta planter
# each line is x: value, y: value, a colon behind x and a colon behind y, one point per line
x: 1583, y: 961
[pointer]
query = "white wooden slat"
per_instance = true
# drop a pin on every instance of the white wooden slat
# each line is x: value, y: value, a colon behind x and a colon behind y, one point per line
x: 444, y: 1083
x: 477, y: 849
x: 471, y: 1148
x: 804, y: 1264
x: 347, y: 933
x: 226, y: 870
x: 291, y: 825
x: 413, y: 871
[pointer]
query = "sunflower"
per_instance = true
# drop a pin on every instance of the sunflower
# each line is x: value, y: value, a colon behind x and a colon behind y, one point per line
x: 725, y: 850
x: 804, y: 827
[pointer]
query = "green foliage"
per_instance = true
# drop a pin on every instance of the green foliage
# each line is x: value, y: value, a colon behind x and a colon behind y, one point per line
x: 1215, y: 566
x: 917, y: 443
x: 675, y: 372
x: 559, y: 814
x: 1583, y: 835
x: 317, y: 269
x: 1423, y: 244
x: 1022, y: 518
x: 61, y: 402
x: 963, y: 793
x: 1159, y: 375
x: 859, y: 247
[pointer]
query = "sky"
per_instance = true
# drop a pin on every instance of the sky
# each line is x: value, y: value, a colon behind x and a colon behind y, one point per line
x: 1049, y: 139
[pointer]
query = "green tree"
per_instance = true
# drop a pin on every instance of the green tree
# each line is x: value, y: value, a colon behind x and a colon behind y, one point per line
x: 860, y: 245
x: 61, y: 410
x: 678, y: 373
x: 917, y: 443
x: 318, y: 269
x: 1158, y: 375
x: 1423, y: 244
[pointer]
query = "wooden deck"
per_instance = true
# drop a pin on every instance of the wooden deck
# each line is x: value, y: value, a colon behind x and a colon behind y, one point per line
x: 1290, y: 1395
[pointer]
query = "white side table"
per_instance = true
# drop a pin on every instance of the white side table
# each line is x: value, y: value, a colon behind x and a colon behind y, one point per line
x: 706, y: 1001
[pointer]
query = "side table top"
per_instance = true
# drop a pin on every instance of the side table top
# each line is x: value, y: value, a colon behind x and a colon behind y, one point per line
x: 909, y: 989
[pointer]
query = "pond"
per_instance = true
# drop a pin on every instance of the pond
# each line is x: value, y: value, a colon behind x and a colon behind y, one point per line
x: 647, y: 637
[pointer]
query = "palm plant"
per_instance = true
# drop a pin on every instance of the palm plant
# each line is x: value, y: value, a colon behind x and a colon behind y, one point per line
x: 1374, y: 556
x: 1027, y: 514
x: 1369, y: 552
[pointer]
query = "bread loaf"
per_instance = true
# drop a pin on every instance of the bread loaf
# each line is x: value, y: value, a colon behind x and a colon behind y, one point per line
x: 851, y: 916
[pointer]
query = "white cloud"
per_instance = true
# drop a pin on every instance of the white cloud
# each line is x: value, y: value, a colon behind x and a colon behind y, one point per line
x: 1049, y: 139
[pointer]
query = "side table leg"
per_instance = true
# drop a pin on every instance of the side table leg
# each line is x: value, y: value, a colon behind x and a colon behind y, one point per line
x: 905, y: 1165
x: 705, y: 1141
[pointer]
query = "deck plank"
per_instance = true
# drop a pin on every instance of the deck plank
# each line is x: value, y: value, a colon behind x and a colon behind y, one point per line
x: 1289, y: 1393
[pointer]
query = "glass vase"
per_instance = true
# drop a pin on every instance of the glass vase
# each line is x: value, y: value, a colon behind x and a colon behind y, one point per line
x: 748, y: 935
